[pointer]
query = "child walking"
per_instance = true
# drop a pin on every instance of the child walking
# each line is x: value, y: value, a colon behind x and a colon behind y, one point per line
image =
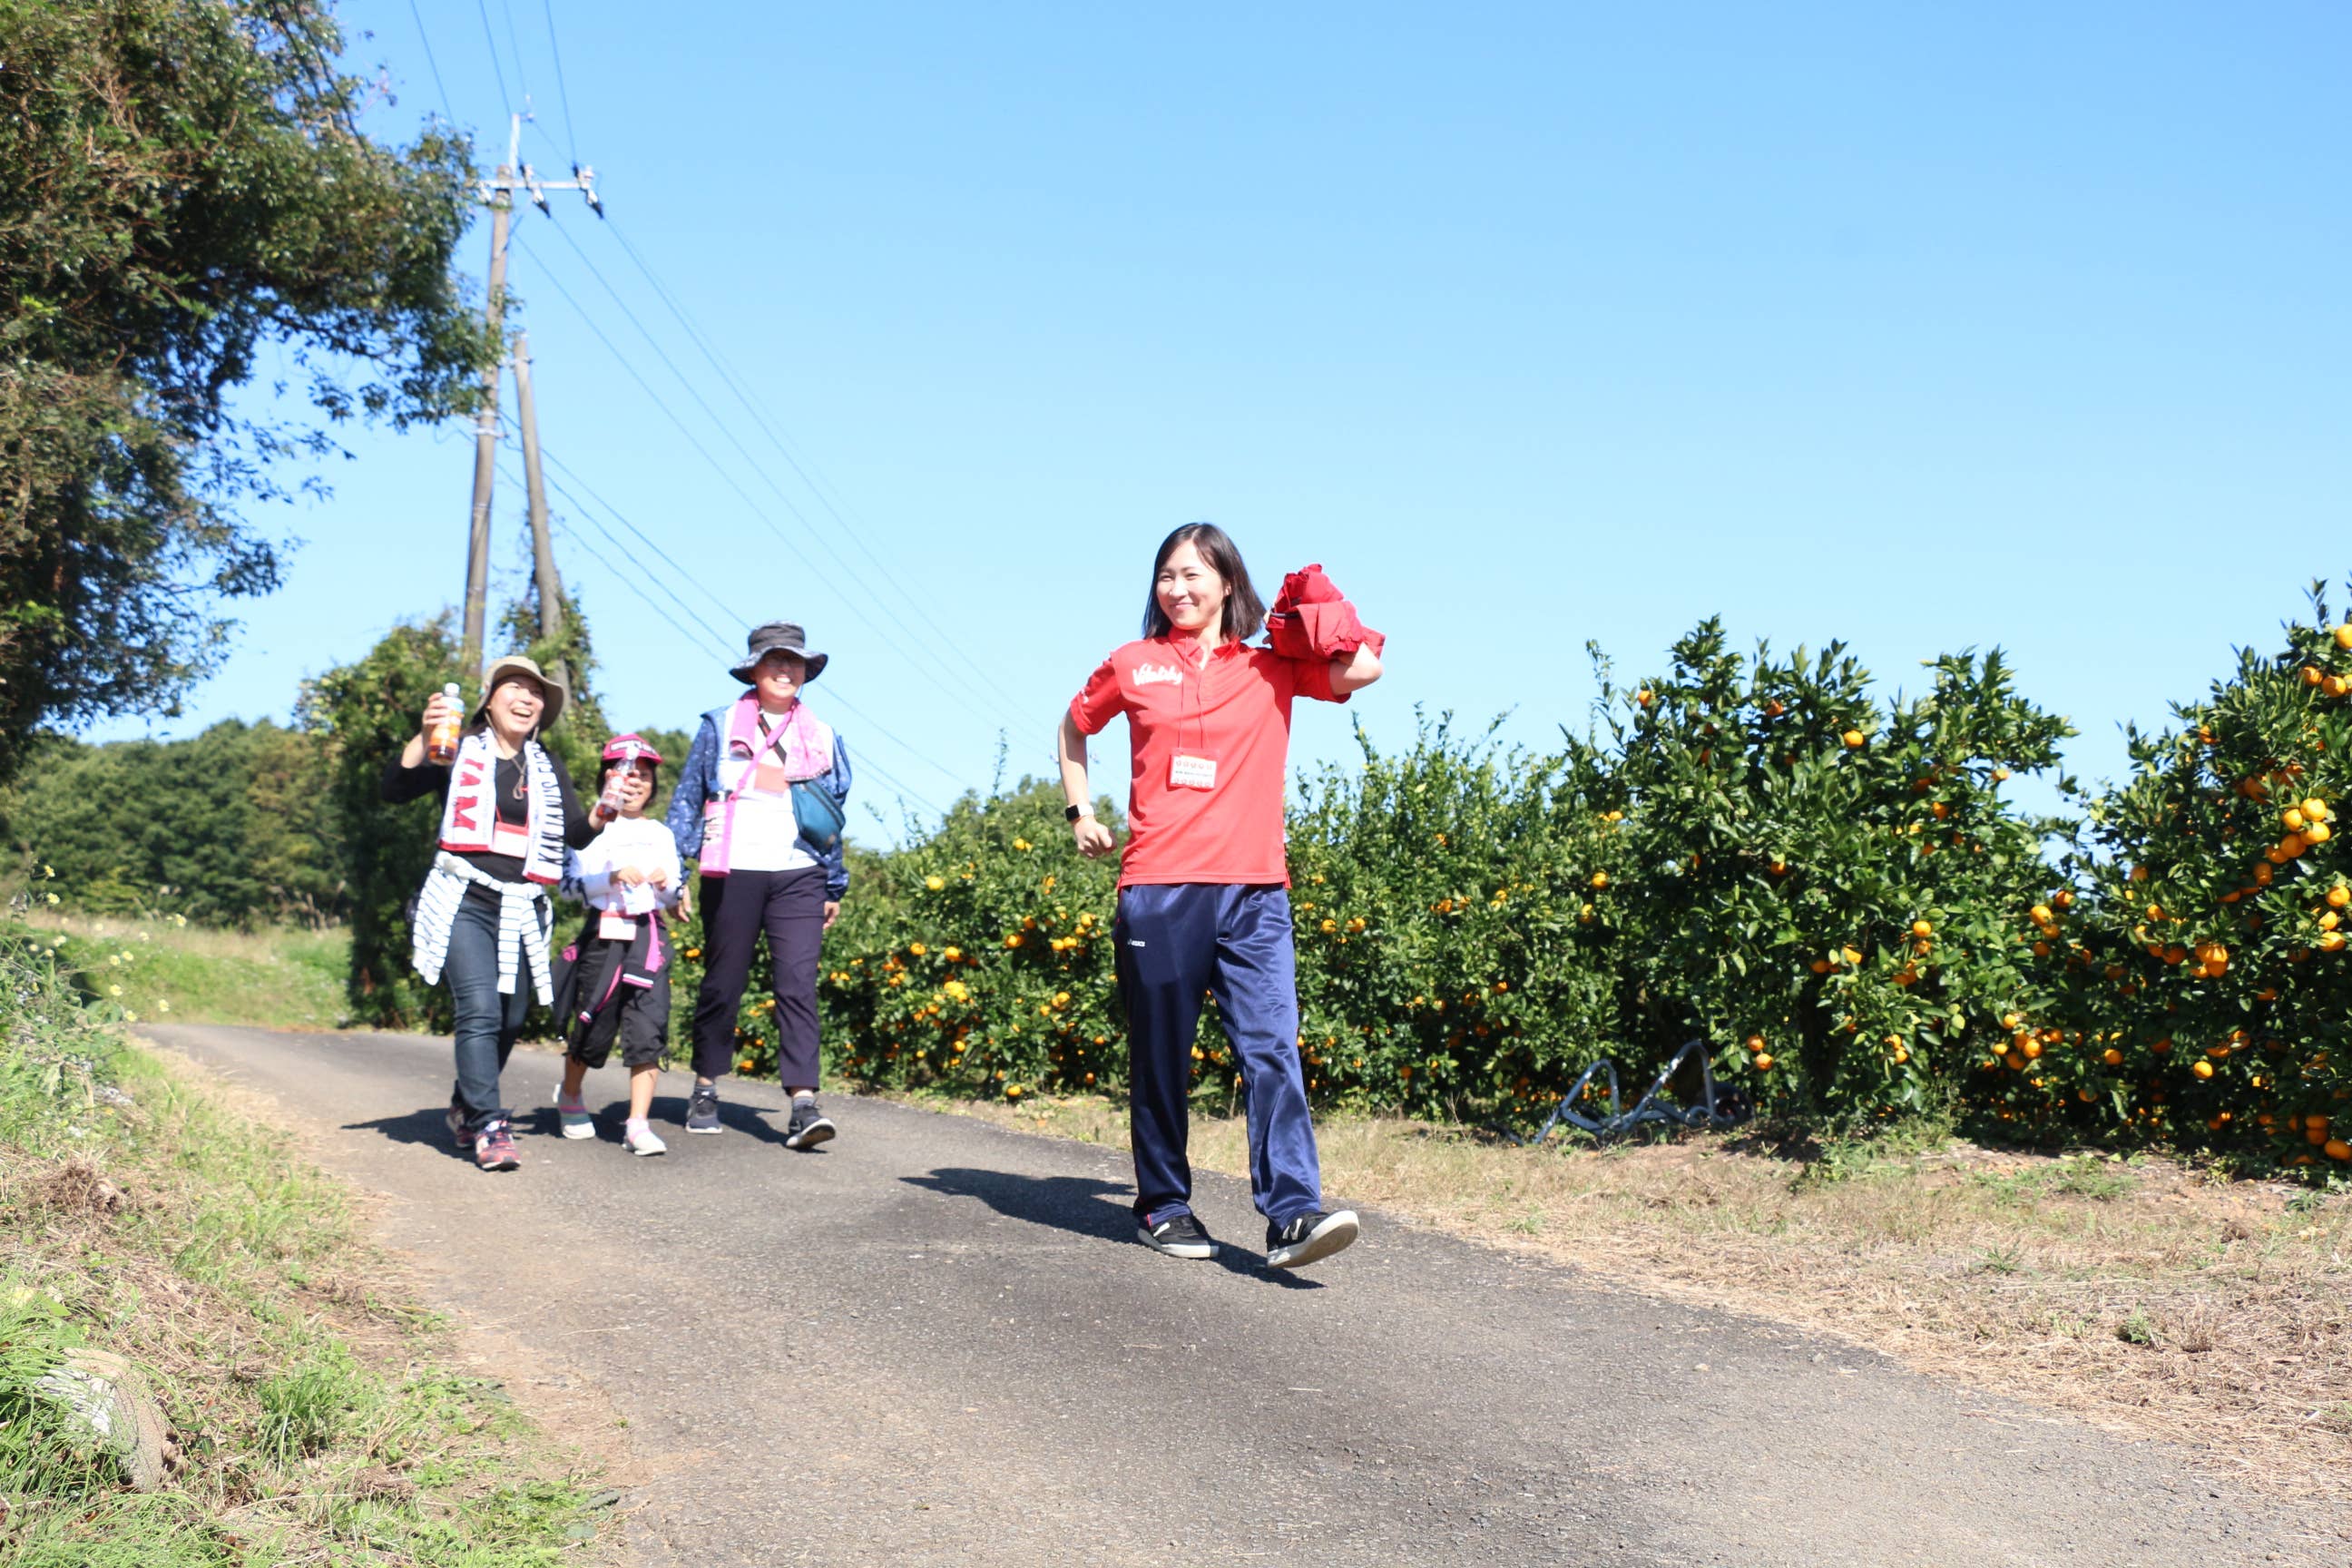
x: 1204, y: 896
x: 613, y: 982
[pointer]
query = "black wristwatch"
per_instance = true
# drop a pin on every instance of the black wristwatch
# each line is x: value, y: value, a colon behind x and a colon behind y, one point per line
x: 1072, y: 813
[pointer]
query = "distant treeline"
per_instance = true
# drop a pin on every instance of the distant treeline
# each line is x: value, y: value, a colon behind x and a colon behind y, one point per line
x: 231, y: 826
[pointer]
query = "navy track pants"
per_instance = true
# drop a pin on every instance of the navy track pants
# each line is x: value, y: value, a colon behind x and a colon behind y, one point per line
x: 1177, y: 942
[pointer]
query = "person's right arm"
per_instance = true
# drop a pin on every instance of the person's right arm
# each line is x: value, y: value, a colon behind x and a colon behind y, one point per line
x: 408, y: 774
x: 1094, y: 840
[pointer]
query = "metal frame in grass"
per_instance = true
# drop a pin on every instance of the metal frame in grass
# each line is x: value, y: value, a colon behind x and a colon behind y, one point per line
x: 1718, y: 1109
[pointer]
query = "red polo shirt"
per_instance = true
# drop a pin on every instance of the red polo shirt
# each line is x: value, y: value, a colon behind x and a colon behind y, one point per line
x: 1226, y: 718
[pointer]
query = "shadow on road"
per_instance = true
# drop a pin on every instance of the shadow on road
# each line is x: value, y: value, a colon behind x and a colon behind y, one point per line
x: 424, y: 1127
x: 1086, y: 1206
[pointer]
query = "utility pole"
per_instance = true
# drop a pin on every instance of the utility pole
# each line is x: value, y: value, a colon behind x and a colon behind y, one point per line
x: 497, y: 192
x: 542, y: 549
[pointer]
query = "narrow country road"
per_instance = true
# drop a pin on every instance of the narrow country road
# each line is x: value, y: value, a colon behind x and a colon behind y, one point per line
x: 935, y: 1341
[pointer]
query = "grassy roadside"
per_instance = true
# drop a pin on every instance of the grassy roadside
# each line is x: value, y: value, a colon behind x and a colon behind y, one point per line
x: 2134, y: 1293
x: 279, y: 977
x: 309, y: 1413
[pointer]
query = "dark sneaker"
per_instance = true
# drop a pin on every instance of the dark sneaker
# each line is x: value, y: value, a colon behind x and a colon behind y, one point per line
x: 456, y: 1122
x: 702, y: 1110
x: 809, y: 1126
x: 1178, y: 1235
x: 1309, y: 1237
x: 494, y: 1147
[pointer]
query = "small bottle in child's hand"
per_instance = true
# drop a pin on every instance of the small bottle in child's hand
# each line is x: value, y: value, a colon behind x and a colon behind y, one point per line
x: 608, y: 804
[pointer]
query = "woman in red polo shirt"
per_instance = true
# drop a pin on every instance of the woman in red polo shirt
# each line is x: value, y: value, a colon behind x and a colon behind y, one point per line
x: 1203, y: 886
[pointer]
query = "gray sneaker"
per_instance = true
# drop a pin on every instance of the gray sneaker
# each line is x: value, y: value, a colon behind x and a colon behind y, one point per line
x: 809, y: 1126
x: 702, y: 1110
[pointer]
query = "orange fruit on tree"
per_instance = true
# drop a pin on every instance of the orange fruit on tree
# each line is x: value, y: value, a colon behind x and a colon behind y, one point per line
x: 2291, y: 818
x: 1764, y: 1062
x: 2000, y: 775
x: 2338, y: 896
x: 2336, y: 1148
x: 1921, y: 927
x: 1853, y: 739
x: 2112, y: 1057
x: 1601, y: 878
x: 2202, y: 1069
x: 2311, y: 676
x: 2318, y: 832
x: 2315, y: 809
x: 2344, y: 635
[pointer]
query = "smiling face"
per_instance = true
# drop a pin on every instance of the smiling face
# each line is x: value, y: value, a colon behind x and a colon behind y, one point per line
x: 1191, y: 593
x: 779, y: 676
x: 514, y: 706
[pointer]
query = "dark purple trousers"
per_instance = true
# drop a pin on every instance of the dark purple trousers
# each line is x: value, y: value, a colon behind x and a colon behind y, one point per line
x: 789, y: 906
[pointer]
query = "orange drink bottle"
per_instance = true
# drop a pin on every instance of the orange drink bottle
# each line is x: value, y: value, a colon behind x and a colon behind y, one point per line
x: 441, y: 745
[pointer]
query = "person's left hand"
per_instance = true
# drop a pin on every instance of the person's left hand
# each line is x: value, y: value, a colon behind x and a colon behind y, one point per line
x: 832, y: 912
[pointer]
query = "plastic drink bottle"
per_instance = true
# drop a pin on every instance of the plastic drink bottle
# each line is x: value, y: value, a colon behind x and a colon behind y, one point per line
x: 608, y: 804
x: 441, y: 745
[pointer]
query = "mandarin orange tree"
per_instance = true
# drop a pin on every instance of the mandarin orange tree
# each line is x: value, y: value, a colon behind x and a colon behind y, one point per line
x: 1451, y: 957
x: 2215, y: 981
x: 978, y: 958
x: 1824, y: 890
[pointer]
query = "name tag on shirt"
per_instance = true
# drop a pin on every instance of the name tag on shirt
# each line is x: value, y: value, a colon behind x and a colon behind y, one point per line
x: 507, y: 838
x: 617, y: 928
x: 1192, y: 769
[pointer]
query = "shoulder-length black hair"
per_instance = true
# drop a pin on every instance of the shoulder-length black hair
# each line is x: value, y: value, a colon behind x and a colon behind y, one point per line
x: 1244, y: 612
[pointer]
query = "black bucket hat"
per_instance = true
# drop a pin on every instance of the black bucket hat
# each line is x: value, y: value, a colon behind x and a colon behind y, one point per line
x: 775, y: 635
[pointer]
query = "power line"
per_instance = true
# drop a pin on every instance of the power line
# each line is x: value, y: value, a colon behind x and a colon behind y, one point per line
x: 765, y: 424
x: 506, y: 100
x: 906, y: 791
x: 426, y: 39
x: 708, y: 457
x: 951, y: 667
x: 523, y: 70
x: 720, y: 642
x: 563, y: 92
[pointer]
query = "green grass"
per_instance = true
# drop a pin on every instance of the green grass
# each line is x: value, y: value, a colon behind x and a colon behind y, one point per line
x: 318, y: 1418
x: 279, y: 977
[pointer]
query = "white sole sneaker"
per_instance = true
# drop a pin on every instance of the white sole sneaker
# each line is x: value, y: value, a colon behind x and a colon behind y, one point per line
x: 815, y: 1133
x: 1334, y: 1234
x: 644, y: 1144
x: 1176, y: 1248
x: 575, y: 1123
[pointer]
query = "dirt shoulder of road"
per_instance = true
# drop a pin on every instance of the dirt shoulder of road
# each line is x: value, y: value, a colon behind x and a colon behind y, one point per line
x: 2135, y: 1294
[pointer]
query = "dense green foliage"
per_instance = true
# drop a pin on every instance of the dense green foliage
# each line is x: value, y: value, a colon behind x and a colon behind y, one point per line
x: 1831, y: 891
x: 229, y: 827
x: 180, y: 189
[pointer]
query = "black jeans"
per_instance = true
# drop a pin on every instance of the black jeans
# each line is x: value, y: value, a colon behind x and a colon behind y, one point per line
x: 789, y: 906
x: 488, y: 1024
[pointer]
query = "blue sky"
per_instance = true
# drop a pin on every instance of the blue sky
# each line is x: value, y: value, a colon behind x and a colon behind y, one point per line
x: 2020, y: 326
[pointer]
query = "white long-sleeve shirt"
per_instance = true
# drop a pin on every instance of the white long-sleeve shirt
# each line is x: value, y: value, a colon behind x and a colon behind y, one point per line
x: 644, y: 842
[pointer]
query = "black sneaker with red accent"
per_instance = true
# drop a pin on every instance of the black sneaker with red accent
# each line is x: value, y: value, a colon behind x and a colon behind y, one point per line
x: 494, y: 1146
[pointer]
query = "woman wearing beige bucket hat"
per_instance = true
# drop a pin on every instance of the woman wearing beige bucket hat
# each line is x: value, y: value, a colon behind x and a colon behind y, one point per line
x: 509, y: 812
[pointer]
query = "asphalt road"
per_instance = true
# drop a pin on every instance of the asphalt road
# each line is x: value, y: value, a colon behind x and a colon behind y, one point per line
x: 937, y: 1341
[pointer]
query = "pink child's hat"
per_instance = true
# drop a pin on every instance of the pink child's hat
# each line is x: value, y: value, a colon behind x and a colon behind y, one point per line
x: 630, y: 748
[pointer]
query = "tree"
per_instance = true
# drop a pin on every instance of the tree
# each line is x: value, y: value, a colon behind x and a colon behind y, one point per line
x: 181, y: 187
